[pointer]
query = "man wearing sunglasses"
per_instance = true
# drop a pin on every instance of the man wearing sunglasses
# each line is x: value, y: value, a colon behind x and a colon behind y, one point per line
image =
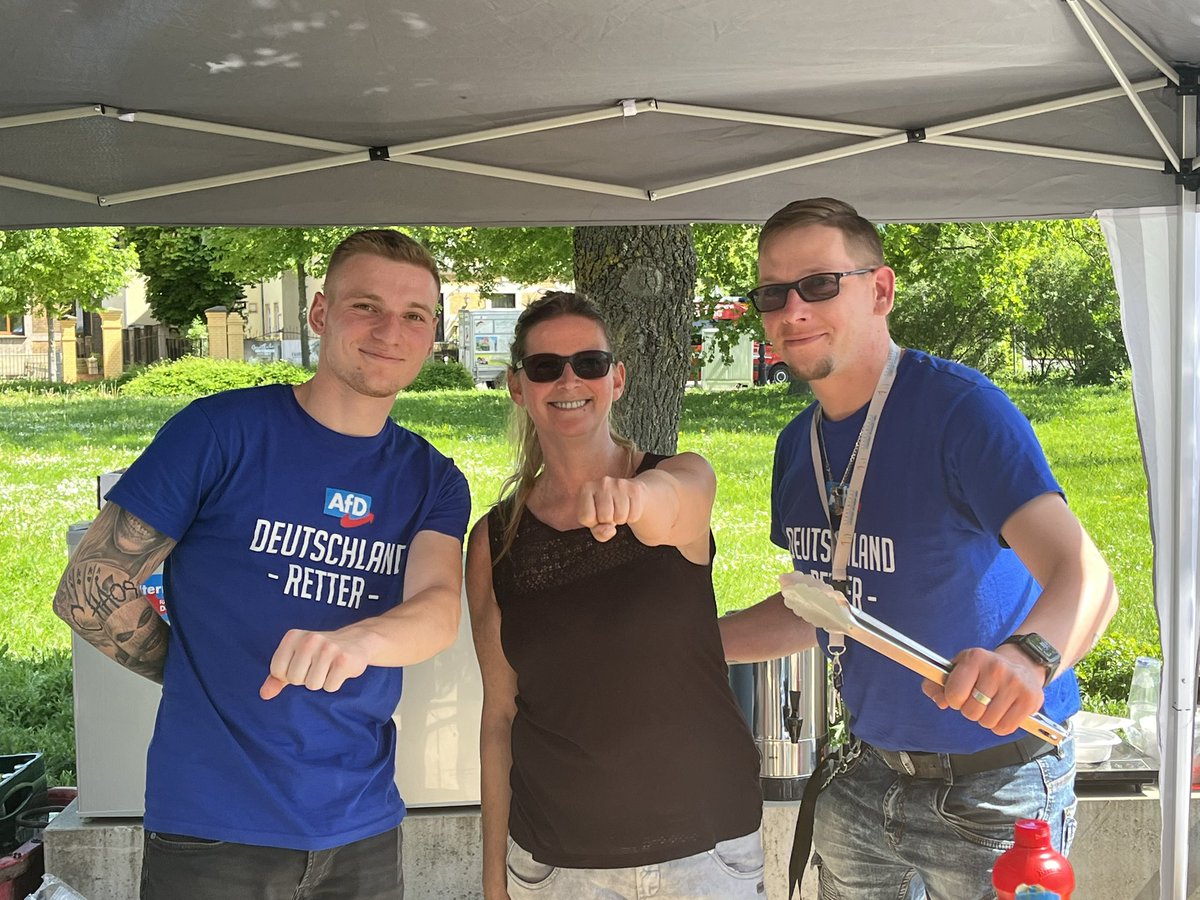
x: 916, y: 487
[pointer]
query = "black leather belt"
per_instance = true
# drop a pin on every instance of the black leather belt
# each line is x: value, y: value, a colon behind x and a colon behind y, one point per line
x: 960, y: 765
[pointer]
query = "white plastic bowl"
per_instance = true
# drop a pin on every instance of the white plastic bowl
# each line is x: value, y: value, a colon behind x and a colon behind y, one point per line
x: 1094, y: 745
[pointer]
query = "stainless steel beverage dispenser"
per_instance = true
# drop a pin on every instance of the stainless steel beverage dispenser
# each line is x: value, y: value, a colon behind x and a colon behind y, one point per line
x: 785, y: 701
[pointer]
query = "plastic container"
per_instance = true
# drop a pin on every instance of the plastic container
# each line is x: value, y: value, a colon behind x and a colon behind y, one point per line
x: 1143, y: 705
x: 1032, y: 865
x: 1094, y: 745
x: 22, y: 785
x: 21, y: 870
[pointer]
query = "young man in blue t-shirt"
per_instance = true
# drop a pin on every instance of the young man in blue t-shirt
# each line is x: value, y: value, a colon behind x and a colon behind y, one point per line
x: 311, y: 548
x: 961, y: 540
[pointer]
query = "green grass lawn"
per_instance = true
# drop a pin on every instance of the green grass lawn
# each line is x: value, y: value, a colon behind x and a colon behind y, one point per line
x: 53, y: 446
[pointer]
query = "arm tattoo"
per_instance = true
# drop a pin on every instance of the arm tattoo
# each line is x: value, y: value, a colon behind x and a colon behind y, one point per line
x: 100, y: 598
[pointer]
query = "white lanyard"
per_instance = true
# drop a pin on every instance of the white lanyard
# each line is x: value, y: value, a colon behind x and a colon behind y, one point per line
x: 844, y: 537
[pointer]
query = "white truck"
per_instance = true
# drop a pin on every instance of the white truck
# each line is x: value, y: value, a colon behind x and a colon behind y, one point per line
x: 484, y: 338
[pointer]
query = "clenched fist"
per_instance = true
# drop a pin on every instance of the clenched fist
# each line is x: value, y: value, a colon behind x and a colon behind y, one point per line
x: 319, y: 660
x: 609, y: 502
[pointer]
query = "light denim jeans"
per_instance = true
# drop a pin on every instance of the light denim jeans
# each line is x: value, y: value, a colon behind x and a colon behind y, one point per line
x: 732, y: 870
x: 883, y: 836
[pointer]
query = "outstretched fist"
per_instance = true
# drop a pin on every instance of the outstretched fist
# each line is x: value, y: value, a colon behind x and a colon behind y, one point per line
x: 609, y: 502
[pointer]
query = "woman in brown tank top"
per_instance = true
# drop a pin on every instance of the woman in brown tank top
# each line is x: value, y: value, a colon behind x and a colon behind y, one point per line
x: 615, y: 762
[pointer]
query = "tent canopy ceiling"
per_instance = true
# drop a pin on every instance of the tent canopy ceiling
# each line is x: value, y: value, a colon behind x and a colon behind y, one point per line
x: 367, y: 74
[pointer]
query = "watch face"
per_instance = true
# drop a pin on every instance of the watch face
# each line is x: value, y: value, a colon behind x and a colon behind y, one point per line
x: 1041, y: 647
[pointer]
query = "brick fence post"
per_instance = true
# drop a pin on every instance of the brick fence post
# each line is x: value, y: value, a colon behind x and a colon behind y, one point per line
x: 112, y: 356
x: 70, y: 364
x: 217, y: 318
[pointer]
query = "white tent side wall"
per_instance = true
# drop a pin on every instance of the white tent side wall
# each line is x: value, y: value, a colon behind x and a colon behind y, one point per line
x: 1155, y: 253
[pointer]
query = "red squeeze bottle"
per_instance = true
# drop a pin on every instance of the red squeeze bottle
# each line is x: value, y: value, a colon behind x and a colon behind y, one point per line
x: 1032, y: 863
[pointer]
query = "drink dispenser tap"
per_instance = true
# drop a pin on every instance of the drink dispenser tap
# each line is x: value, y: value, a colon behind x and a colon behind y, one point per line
x: 792, y: 719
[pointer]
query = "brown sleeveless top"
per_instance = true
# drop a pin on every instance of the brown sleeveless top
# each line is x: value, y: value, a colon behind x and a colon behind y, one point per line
x: 628, y: 747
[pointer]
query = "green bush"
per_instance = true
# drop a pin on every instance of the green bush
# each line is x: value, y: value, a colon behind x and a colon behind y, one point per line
x: 1105, y: 673
x: 195, y: 376
x: 36, y: 710
x: 442, y: 376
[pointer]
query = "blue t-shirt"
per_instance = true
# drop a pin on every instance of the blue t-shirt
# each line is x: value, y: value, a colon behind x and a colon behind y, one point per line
x: 952, y: 460
x: 281, y: 523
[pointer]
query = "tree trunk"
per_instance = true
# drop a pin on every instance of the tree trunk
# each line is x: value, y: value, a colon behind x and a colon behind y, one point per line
x: 51, y: 373
x: 302, y: 308
x: 644, y: 278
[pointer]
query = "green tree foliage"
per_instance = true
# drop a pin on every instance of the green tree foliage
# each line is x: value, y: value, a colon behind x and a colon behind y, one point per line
x: 726, y: 259
x: 726, y: 266
x: 52, y: 269
x: 1071, y: 314
x: 725, y: 255
x: 485, y: 256
x: 252, y: 254
x: 184, y: 276
x: 956, y: 288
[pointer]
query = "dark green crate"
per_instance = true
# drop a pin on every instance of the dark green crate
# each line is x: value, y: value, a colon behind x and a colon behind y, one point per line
x: 22, y: 786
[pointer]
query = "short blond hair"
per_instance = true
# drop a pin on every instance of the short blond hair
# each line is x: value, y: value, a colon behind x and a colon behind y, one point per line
x: 859, y: 234
x: 387, y: 243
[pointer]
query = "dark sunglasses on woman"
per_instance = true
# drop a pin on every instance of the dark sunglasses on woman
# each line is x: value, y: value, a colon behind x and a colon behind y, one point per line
x: 543, y: 367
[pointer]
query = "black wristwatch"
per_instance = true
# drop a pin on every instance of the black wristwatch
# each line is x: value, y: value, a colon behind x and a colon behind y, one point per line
x: 1040, y: 650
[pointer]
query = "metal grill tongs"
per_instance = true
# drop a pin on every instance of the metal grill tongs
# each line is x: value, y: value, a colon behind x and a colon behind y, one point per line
x: 820, y: 604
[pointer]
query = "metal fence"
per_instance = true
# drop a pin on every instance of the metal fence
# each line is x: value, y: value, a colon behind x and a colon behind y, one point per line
x: 145, y: 344
x: 29, y: 365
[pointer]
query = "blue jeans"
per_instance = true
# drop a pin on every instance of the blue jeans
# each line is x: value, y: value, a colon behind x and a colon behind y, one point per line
x: 177, y: 867
x: 732, y: 870
x: 880, y: 835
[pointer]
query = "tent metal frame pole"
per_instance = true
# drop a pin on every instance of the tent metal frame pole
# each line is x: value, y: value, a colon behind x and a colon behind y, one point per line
x: 1036, y: 109
x: 58, y: 115
x: 234, y: 131
x: 469, y: 168
x: 49, y: 190
x: 1017, y: 112
x: 491, y: 134
x: 1088, y: 156
x: 1111, y: 61
x: 785, y: 165
x: 1134, y: 39
x: 1179, y: 676
x: 202, y: 184
x: 746, y: 117
x: 884, y: 138
x: 878, y: 138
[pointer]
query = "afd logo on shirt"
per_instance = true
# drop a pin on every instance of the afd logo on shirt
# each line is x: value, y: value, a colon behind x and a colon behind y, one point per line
x: 349, y: 508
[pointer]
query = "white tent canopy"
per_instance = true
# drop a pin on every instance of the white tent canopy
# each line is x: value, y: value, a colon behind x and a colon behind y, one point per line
x: 541, y: 112
x: 526, y: 112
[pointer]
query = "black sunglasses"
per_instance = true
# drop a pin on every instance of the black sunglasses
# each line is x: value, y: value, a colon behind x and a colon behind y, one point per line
x: 811, y: 288
x: 543, y: 367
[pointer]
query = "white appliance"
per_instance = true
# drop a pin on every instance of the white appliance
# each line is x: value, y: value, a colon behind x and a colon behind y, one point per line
x: 437, y: 745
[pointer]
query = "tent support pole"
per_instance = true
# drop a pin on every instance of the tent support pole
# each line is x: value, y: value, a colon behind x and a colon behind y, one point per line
x: 1179, y: 675
x: 1134, y: 39
x: 1111, y: 61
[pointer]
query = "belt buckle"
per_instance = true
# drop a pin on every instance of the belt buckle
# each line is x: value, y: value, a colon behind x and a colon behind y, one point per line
x: 909, y: 768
